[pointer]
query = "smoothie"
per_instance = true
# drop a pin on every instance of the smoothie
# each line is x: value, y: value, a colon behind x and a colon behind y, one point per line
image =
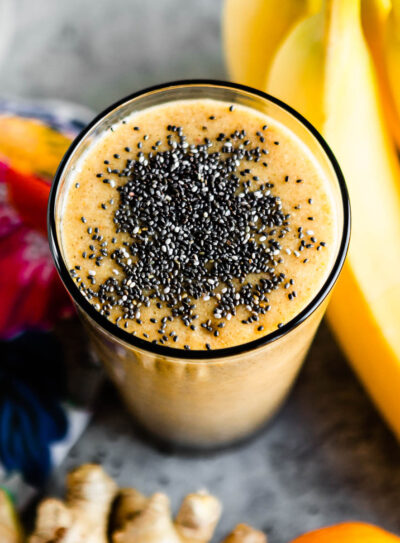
x: 201, y: 225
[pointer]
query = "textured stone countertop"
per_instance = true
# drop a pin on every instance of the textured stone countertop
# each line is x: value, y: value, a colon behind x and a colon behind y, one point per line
x: 327, y: 457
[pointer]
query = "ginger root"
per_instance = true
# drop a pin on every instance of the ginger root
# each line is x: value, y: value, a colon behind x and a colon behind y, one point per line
x: 197, y: 518
x: 143, y: 520
x: 245, y: 534
x: 150, y: 522
x: 83, y: 518
x: 96, y: 512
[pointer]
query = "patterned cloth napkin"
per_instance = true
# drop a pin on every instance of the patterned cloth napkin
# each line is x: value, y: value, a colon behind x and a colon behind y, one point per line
x: 38, y: 420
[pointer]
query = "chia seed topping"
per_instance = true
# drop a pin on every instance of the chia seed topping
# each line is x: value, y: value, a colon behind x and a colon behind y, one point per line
x: 192, y: 222
x: 195, y: 228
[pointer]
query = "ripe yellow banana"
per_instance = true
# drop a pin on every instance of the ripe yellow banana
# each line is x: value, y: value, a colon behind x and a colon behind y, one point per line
x: 252, y: 31
x: 381, y: 23
x: 365, y: 309
x: 392, y: 56
x: 300, y: 61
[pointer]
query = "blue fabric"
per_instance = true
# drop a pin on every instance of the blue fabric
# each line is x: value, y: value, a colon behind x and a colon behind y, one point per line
x: 32, y: 384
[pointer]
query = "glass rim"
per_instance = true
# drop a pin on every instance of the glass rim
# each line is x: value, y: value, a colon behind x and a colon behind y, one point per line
x: 171, y: 352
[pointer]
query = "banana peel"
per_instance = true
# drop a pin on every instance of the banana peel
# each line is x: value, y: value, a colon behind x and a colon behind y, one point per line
x: 381, y: 24
x: 392, y: 57
x: 252, y: 31
x: 303, y: 65
x: 10, y: 527
x: 364, y: 312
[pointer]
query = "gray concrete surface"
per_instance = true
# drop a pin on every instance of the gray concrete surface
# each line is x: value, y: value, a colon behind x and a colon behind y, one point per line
x: 327, y: 457
x: 96, y: 51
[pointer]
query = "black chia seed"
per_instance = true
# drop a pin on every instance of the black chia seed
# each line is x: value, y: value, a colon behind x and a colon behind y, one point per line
x: 196, y: 230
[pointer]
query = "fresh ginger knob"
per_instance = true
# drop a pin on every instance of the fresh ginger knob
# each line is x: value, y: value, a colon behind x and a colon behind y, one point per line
x: 84, y: 515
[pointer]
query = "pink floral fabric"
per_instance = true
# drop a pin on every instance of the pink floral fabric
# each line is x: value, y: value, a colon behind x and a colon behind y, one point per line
x: 31, y: 293
x: 32, y: 142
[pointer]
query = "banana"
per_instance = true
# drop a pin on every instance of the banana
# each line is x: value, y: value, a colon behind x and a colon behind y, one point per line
x: 300, y: 61
x: 252, y: 31
x: 364, y: 312
x: 381, y: 24
x: 392, y: 56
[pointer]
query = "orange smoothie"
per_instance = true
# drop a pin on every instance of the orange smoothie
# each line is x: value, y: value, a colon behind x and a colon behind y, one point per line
x: 200, y: 224
x: 263, y: 199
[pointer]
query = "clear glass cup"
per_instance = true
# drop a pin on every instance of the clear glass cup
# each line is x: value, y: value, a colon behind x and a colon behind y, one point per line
x: 202, y: 398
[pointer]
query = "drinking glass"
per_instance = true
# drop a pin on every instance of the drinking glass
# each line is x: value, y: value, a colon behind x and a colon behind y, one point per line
x: 202, y: 398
